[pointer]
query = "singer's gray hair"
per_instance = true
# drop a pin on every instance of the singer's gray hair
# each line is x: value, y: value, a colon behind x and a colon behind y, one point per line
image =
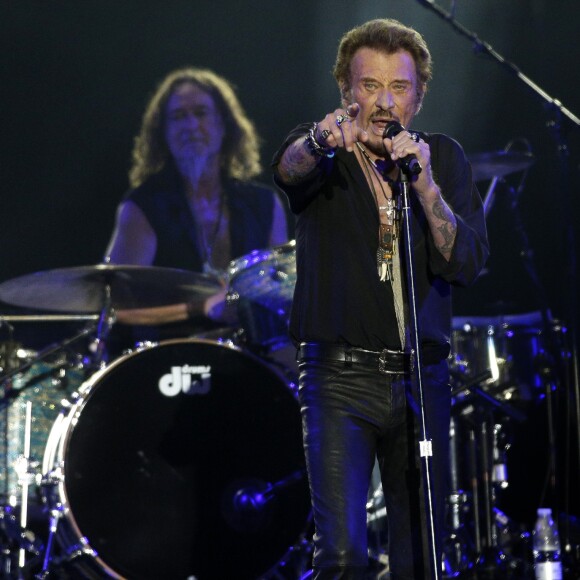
x: 389, y: 36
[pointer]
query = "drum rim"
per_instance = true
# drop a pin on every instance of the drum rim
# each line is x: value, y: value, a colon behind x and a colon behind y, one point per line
x: 254, y: 257
x: 62, y: 439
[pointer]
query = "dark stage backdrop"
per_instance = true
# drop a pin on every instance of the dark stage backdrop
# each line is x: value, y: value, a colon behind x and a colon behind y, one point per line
x: 75, y: 77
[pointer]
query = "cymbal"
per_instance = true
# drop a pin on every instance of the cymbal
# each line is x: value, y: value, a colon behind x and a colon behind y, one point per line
x: 499, y: 163
x: 84, y: 288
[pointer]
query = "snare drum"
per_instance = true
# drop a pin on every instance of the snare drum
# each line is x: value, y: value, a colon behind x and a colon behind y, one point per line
x: 166, y: 466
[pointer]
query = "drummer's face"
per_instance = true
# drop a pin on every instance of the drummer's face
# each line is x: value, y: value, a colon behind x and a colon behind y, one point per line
x: 194, y: 127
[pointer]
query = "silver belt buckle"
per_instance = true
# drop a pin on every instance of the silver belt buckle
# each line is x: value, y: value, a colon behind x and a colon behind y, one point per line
x: 383, y: 361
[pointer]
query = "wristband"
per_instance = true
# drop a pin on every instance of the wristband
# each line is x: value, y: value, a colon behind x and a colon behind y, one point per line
x: 315, y: 146
x: 194, y: 308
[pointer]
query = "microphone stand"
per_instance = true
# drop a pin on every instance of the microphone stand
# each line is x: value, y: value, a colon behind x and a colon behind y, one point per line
x: 555, y: 124
x: 425, y: 444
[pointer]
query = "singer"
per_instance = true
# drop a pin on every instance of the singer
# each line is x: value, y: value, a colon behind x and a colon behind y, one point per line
x: 350, y: 316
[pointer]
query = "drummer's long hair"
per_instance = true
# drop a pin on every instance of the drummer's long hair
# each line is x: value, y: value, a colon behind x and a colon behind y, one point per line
x: 240, y: 149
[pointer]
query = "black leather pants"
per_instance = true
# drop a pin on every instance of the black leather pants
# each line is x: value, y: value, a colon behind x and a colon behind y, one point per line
x: 350, y: 415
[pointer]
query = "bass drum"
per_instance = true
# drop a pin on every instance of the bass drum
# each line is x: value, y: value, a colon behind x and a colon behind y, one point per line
x: 180, y: 460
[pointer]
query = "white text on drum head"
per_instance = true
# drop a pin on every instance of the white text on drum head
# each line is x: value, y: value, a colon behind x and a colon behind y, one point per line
x: 191, y: 380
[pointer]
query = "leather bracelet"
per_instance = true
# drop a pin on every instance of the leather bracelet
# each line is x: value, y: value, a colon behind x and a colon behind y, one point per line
x: 315, y: 146
x: 195, y: 308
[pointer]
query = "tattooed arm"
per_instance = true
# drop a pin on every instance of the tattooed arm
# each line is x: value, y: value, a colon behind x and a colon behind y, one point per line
x: 297, y: 162
x: 442, y: 221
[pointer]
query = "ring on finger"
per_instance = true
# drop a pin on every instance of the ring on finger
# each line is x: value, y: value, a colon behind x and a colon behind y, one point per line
x: 340, y: 119
x: 324, y: 134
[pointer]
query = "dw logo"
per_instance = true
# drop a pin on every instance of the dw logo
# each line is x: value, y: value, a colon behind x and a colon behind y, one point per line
x: 191, y: 380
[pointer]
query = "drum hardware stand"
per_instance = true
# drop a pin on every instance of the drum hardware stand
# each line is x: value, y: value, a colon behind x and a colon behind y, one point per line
x: 571, y: 372
x: 106, y: 320
x: 489, y: 195
x: 11, y: 529
x: 457, y: 548
x: 24, y: 463
x: 46, y: 352
x: 485, y: 476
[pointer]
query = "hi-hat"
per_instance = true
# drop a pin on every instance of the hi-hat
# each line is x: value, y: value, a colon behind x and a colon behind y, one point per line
x: 85, y: 288
x: 499, y: 163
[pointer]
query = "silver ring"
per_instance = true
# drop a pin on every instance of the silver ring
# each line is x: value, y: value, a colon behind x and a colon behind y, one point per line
x: 414, y: 137
x: 340, y: 119
x: 324, y: 134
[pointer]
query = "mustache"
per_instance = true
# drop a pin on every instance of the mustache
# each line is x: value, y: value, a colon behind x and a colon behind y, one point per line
x: 383, y: 115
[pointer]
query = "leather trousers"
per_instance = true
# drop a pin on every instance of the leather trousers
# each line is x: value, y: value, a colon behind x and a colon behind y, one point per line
x: 352, y: 414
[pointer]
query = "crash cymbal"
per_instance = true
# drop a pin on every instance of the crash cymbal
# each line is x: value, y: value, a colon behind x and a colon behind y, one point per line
x: 499, y: 163
x: 84, y: 288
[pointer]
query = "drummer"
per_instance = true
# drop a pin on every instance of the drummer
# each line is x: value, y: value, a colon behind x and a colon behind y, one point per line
x: 192, y: 203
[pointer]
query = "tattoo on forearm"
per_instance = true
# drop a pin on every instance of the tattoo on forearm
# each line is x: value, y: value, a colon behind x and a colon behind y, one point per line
x: 447, y: 229
x: 296, y: 163
x: 448, y: 234
x: 441, y: 211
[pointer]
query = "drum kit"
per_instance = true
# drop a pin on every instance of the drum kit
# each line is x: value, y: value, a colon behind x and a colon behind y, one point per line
x: 183, y: 458
x: 177, y: 459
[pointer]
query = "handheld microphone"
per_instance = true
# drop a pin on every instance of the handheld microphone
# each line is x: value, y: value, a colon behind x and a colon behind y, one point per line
x: 409, y: 164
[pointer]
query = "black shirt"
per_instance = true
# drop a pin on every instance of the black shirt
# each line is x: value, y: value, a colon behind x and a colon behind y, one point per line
x: 338, y: 296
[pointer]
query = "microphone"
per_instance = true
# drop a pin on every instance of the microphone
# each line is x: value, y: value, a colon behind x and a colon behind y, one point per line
x: 409, y: 164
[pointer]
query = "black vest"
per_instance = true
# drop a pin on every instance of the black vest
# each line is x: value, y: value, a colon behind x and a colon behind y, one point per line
x: 162, y: 199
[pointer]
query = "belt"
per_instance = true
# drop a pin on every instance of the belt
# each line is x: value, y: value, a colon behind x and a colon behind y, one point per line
x: 387, y: 361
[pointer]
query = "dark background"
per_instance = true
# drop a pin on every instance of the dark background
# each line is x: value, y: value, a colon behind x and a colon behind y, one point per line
x: 75, y: 77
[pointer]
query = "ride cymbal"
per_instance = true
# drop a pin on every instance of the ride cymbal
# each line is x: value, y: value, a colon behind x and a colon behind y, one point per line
x: 499, y: 163
x: 86, y: 288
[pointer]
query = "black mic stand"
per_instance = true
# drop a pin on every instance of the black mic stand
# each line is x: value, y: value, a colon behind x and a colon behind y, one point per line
x: 571, y: 378
x: 425, y: 444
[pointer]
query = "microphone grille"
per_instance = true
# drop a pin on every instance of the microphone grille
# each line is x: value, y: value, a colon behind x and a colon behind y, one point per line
x: 392, y: 128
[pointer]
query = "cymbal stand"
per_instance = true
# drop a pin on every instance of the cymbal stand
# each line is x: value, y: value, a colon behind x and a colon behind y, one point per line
x: 489, y: 196
x: 106, y: 320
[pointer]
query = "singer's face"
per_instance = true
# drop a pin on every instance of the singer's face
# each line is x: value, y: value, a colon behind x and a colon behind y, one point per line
x: 385, y: 86
x: 193, y: 127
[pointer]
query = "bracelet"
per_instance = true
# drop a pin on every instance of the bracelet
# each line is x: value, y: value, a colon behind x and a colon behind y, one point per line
x: 315, y: 146
x: 194, y: 308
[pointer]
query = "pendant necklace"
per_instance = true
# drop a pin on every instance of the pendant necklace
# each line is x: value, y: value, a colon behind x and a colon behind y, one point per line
x: 208, y: 243
x: 389, y: 215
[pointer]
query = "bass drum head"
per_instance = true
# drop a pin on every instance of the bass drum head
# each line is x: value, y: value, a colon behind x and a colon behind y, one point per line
x: 168, y: 460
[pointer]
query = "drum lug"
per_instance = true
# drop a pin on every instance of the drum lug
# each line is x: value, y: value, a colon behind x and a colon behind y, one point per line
x: 52, y: 478
x: 232, y: 297
x: 80, y: 550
